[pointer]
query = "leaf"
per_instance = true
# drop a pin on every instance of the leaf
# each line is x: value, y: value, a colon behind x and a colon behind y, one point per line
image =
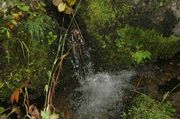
x: 23, y: 7
x: 61, y: 7
x: 45, y: 114
x: 56, y: 2
x: 140, y: 56
x: 8, y: 34
x: 1, y: 85
x: 2, y: 109
x: 54, y: 116
x: 71, y: 2
x: 68, y: 10
x: 15, y: 96
x: 34, y: 112
x: 46, y: 88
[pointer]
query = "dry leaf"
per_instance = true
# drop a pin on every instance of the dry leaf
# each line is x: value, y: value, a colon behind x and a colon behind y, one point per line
x: 54, y: 116
x: 62, y: 7
x: 15, y: 96
x: 56, y: 2
x: 34, y: 112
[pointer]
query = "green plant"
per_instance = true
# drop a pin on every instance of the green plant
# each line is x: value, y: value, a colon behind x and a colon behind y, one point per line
x: 25, y: 44
x: 120, y: 45
x: 145, y: 107
x: 140, y: 56
x: 2, y: 109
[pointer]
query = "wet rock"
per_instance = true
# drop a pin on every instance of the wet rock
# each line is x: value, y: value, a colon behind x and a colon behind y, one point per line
x: 176, y: 30
x: 175, y: 100
x: 153, y: 87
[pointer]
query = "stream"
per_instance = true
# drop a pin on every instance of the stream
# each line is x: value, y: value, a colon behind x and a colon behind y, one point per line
x: 100, y: 95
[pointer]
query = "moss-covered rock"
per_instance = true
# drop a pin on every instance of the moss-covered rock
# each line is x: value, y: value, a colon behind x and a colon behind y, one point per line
x: 114, y: 43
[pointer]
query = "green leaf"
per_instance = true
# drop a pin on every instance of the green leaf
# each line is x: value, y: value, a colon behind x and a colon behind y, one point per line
x: 140, y: 56
x: 45, y: 114
x: 1, y: 85
x: 8, y: 34
x: 23, y: 7
x: 2, y: 109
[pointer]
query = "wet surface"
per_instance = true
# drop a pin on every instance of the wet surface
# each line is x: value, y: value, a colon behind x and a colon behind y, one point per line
x: 101, y: 95
x: 160, y: 79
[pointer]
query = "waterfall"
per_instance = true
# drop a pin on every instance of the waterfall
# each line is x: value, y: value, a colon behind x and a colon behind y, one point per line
x: 99, y: 95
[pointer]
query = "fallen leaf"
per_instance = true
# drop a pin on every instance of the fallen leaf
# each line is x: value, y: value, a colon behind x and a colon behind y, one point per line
x: 15, y: 96
x: 34, y: 112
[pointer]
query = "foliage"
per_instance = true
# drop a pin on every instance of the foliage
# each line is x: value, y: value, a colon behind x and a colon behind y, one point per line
x: 139, y: 56
x: 127, y: 46
x: 144, y: 107
x: 2, y: 109
x: 64, y: 6
x: 97, y: 14
x: 137, y: 39
x: 100, y: 19
x: 48, y: 115
x: 27, y: 33
x: 120, y: 44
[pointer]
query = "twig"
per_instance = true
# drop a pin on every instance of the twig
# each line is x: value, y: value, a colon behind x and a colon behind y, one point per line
x: 139, y: 81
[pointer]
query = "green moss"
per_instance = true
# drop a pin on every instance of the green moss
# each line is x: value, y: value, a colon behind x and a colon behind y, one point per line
x: 137, y: 39
x: 117, y: 49
x: 96, y: 14
x: 105, y: 24
x: 145, y: 107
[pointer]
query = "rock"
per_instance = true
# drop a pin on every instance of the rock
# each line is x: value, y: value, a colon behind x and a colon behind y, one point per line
x: 175, y: 99
x: 176, y: 30
x: 153, y: 87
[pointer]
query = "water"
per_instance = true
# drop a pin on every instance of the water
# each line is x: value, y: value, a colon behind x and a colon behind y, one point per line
x: 100, y: 95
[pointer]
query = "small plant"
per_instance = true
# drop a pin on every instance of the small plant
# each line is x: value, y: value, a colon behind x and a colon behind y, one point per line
x: 140, y: 56
x: 145, y: 107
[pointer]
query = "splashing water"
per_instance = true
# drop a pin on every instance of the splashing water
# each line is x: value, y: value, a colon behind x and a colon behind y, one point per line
x: 100, y: 95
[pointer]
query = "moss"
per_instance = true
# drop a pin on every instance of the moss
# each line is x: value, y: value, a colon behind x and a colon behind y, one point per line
x: 107, y: 33
x: 25, y: 47
x: 148, y: 40
x: 145, y: 107
x: 118, y: 48
x: 96, y: 14
x: 101, y: 19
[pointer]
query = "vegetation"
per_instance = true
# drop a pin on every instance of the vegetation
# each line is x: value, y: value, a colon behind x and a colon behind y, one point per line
x: 121, y: 45
x: 24, y: 41
x: 27, y: 33
x: 33, y: 47
x: 145, y: 107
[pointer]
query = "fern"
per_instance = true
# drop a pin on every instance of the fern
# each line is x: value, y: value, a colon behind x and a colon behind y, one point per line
x: 37, y: 26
